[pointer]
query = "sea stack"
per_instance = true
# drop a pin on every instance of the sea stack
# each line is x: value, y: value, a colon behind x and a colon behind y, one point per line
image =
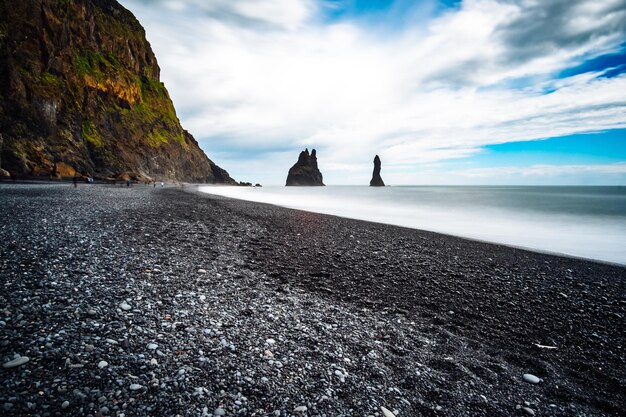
x: 376, y: 181
x: 305, y: 171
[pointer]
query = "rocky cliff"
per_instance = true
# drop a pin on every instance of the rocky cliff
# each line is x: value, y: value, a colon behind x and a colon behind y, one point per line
x: 305, y: 171
x: 376, y: 180
x: 80, y: 90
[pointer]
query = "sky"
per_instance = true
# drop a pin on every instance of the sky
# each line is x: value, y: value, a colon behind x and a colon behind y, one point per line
x: 444, y: 91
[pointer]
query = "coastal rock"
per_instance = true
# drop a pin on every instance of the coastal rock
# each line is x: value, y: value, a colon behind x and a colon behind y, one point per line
x: 305, y: 171
x: 81, y: 91
x: 376, y: 180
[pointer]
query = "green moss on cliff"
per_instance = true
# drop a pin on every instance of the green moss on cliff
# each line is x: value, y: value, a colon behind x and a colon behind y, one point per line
x: 50, y: 85
x: 91, y: 135
x: 96, y: 64
x: 157, y: 138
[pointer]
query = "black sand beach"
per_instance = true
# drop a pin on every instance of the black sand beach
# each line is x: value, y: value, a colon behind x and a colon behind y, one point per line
x: 163, y: 302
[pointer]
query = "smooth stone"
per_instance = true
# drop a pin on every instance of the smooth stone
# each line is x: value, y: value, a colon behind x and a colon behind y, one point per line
x: 270, y: 341
x: 135, y: 387
x: 153, y: 346
x: 125, y: 306
x: 89, y: 348
x: 531, y: 378
x: 300, y: 409
x: 528, y: 411
x: 219, y: 412
x: 386, y: 412
x: 16, y: 362
x: 65, y: 404
x: 153, y: 362
x: 103, y: 364
x: 202, y: 271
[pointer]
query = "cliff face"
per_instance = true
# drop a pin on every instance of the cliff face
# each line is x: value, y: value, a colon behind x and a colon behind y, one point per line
x: 376, y: 180
x: 80, y: 89
x: 305, y: 171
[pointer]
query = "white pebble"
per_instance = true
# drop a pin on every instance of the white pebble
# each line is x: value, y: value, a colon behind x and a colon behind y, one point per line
x: 135, y: 387
x: 153, y: 346
x: 201, y: 271
x: 103, y: 364
x: 125, y: 306
x: 531, y: 378
x: 300, y: 409
x: 386, y: 412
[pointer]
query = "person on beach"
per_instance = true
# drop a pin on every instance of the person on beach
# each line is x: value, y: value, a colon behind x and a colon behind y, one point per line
x: 75, y: 181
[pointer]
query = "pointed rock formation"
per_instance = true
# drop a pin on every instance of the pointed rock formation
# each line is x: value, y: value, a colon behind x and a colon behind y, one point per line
x: 80, y: 90
x: 376, y: 181
x: 305, y: 171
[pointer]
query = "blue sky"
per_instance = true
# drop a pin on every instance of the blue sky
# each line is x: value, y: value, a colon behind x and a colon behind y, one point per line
x: 445, y: 91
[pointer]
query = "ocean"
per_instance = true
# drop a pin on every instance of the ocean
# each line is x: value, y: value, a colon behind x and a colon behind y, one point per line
x: 587, y: 222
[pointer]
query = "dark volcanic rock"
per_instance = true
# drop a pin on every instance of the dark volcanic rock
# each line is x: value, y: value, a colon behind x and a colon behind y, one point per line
x: 376, y: 181
x: 79, y: 85
x: 305, y: 171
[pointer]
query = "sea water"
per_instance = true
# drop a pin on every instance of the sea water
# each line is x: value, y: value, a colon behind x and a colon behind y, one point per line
x: 588, y: 222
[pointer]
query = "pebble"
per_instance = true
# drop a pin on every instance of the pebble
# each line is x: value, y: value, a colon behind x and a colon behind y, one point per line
x: 386, y: 412
x: 219, y: 412
x: 300, y: 409
x: 89, y: 348
x: 135, y: 387
x: 152, y: 346
x: 528, y: 411
x: 202, y: 271
x: 153, y: 362
x: 125, y: 306
x: 65, y: 404
x: 103, y: 364
x: 531, y: 378
x: 16, y: 362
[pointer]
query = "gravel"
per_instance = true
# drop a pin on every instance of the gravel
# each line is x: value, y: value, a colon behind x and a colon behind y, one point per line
x: 294, y: 313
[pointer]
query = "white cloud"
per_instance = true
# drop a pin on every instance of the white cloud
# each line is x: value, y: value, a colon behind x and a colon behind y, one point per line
x: 255, y: 75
